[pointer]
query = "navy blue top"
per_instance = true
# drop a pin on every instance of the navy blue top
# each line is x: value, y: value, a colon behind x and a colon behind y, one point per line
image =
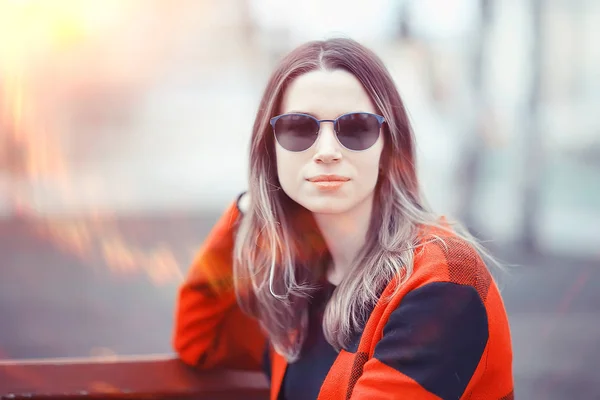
x: 303, y: 379
x: 436, y: 336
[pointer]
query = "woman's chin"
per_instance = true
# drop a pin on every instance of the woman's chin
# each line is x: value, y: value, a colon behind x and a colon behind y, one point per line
x: 325, y: 206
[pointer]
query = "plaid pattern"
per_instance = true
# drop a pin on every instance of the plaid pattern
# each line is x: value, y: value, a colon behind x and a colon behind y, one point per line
x: 449, y: 301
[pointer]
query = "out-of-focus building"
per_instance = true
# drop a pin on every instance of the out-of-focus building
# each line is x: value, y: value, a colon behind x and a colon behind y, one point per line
x: 147, y: 106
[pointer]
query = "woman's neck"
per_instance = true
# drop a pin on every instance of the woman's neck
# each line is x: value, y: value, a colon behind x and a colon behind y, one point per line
x: 345, y: 234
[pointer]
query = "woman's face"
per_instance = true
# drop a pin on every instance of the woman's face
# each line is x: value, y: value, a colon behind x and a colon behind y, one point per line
x: 327, y: 95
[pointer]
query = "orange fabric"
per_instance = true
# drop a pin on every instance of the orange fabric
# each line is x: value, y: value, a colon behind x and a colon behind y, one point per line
x: 278, y: 366
x: 339, y: 376
x: 379, y: 381
x: 211, y: 331
x: 493, y: 377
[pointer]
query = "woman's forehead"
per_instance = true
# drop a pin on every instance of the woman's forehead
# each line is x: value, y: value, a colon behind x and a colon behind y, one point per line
x: 326, y: 94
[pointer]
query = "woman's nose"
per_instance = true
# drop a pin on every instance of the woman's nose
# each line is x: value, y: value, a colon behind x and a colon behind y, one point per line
x: 327, y: 148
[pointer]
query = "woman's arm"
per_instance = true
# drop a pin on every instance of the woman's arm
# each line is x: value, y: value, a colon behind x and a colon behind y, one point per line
x: 211, y: 331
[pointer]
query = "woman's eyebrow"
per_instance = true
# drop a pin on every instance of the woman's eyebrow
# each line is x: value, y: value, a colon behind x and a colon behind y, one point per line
x: 315, y: 116
x: 301, y: 112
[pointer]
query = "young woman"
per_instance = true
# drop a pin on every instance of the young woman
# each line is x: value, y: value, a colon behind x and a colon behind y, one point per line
x: 331, y: 272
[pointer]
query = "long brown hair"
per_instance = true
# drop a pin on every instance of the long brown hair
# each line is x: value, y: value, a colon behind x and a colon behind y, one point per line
x: 279, y: 253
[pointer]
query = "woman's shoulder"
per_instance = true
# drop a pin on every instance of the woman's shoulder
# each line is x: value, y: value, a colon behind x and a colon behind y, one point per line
x: 443, y: 256
x: 448, y: 276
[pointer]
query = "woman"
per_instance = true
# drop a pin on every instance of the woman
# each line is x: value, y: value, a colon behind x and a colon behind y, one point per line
x: 331, y: 272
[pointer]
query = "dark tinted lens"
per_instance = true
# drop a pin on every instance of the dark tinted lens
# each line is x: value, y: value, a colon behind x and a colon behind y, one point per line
x: 358, y: 131
x: 296, y: 132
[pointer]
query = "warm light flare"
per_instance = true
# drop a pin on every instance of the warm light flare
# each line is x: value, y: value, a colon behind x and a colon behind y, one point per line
x: 39, y: 41
x: 89, y: 239
x: 34, y: 26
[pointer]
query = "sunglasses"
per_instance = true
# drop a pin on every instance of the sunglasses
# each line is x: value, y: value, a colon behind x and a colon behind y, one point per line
x: 355, y: 131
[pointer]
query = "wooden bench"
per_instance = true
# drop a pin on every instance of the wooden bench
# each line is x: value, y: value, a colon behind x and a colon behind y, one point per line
x: 133, y: 377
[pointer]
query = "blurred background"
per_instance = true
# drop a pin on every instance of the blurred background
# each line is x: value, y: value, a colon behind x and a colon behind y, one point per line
x: 124, y: 132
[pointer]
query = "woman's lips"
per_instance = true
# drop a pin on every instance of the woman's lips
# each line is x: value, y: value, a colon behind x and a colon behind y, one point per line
x: 327, y: 183
x: 328, y: 178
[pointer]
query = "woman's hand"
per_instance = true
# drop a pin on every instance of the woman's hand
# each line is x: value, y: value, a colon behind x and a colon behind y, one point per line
x: 244, y: 203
